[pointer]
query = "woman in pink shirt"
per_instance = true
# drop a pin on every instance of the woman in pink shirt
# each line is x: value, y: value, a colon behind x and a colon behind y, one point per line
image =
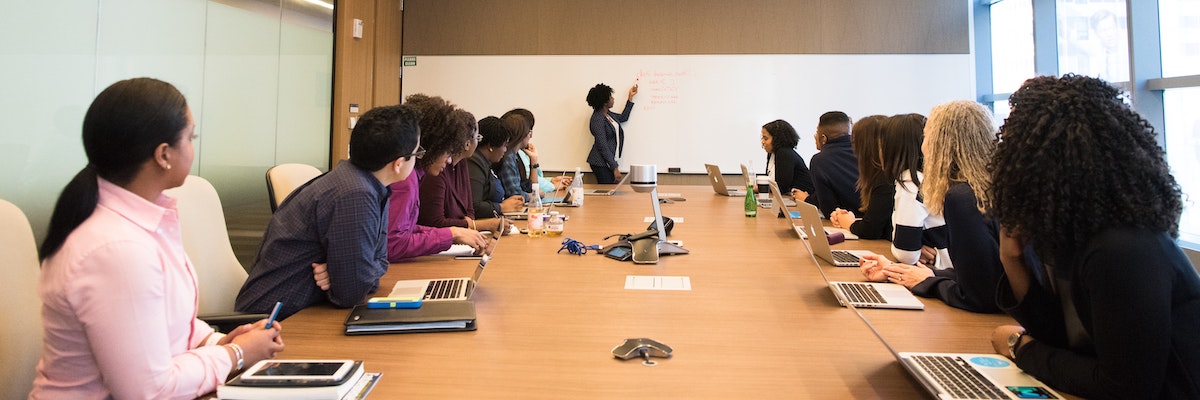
x: 119, y: 296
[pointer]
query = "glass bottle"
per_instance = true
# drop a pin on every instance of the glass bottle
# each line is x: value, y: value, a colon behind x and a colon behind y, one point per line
x: 751, y: 199
x: 554, y: 225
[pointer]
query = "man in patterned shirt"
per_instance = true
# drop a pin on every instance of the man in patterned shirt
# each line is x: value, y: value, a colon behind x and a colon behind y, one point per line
x: 327, y: 242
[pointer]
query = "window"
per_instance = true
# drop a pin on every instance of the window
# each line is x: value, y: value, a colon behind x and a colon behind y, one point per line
x: 1012, y: 46
x: 1093, y: 39
x: 1183, y: 155
x: 1179, y: 31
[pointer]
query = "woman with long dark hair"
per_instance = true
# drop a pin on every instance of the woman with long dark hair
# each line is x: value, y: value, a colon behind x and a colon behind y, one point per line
x: 118, y: 293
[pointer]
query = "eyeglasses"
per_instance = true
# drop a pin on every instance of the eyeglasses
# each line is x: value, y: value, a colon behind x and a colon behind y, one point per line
x: 418, y: 154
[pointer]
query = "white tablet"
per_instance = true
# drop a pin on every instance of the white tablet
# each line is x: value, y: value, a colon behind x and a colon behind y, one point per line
x: 298, y: 372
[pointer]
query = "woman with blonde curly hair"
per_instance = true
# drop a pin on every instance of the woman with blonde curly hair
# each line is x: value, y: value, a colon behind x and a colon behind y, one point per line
x: 959, y: 140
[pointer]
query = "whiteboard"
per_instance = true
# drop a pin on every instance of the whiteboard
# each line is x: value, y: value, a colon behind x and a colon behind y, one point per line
x: 690, y: 109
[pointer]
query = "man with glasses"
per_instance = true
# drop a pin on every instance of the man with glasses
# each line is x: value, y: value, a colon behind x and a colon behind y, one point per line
x: 327, y: 242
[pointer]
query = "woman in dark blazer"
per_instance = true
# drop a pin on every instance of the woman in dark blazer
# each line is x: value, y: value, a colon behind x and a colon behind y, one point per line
x: 486, y: 192
x: 784, y: 164
x: 606, y: 128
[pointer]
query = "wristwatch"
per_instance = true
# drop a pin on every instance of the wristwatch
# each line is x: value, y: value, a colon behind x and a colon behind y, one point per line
x: 534, y: 166
x: 1014, y: 340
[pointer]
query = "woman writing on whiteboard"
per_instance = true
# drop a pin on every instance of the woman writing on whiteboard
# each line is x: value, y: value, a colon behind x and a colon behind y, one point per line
x: 605, y: 126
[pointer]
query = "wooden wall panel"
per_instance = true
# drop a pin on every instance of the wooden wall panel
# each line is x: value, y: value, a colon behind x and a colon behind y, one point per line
x: 353, y: 71
x: 388, y: 31
x: 668, y: 27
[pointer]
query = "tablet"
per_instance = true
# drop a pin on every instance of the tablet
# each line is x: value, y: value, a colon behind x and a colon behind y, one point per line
x: 298, y: 372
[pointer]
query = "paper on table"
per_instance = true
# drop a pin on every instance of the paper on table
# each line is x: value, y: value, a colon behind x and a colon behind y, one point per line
x: 678, y: 220
x: 643, y: 282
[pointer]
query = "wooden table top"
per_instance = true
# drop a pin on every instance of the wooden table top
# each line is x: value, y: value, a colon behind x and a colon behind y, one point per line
x: 759, y: 321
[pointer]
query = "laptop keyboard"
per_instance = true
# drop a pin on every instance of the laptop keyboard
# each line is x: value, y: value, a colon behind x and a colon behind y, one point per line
x: 861, y: 293
x: 962, y: 381
x: 443, y: 289
x: 843, y: 256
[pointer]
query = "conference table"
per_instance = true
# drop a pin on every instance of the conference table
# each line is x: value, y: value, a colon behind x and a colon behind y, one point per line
x: 758, y: 321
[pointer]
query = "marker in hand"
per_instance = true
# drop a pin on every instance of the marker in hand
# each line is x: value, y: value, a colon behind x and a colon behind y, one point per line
x: 274, y: 313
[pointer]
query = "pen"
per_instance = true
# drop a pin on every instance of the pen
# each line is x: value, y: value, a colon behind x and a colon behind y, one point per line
x: 274, y: 313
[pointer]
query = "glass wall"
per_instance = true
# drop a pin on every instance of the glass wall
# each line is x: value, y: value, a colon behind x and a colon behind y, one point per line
x: 1012, y: 45
x: 1093, y: 38
x: 257, y: 75
x: 1180, y: 35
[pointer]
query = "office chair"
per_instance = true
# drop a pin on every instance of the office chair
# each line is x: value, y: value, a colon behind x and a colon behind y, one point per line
x: 282, y: 179
x: 206, y: 240
x: 21, y: 321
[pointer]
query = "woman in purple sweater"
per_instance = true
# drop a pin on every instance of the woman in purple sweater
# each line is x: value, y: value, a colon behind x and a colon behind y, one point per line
x: 442, y: 138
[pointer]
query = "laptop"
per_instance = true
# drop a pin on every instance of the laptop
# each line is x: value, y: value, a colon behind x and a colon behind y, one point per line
x: 967, y: 375
x: 451, y: 289
x: 867, y: 294
x: 608, y: 192
x: 718, y: 182
x: 810, y: 219
x: 793, y: 216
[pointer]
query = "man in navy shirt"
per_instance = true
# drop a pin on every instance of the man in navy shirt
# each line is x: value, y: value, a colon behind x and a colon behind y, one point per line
x: 327, y: 242
x: 834, y: 169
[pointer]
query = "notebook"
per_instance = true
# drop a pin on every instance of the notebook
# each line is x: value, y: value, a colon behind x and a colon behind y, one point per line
x: 452, y: 289
x: 608, y: 192
x: 443, y: 316
x: 718, y: 182
x: 810, y: 220
x: 867, y: 294
x: 793, y: 216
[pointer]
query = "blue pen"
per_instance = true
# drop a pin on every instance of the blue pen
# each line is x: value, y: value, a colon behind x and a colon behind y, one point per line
x: 274, y: 313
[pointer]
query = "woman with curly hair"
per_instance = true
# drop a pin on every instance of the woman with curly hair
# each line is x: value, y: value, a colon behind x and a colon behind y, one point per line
x: 958, y: 142
x: 876, y: 192
x: 605, y: 125
x: 1109, y: 304
x: 442, y: 136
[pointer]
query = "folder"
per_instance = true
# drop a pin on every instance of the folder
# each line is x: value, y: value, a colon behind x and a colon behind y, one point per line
x: 433, y: 316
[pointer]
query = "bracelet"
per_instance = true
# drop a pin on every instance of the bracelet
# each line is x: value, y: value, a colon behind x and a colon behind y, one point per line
x: 535, y: 166
x: 238, y: 354
x: 472, y: 223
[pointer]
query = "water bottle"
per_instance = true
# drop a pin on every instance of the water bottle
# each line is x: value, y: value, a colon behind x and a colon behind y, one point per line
x: 537, y: 221
x: 554, y: 226
x: 576, y: 189
x: 751, y: 199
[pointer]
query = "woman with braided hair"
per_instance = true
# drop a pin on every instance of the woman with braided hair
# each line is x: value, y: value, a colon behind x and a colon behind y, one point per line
x: 1109, y: 305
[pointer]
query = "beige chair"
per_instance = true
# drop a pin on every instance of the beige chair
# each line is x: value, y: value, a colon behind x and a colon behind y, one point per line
x: 206, y: 240
x: 21, y: 321
x: 282, y: 179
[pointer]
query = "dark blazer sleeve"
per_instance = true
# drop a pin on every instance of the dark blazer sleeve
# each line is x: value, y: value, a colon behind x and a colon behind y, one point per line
x: 481, y: 189
x: 975, y: 252
x: 624, y: 115
x: 1127, y: 314
x: 876, y: 222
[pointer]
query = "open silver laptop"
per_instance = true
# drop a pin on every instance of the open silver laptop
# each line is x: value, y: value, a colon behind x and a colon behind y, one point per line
x: 445, y: 289
x: 810, y: 218
x: 718, y: 182
x: 967, y: 375
x: 607, y: 192
x: 866, y: 294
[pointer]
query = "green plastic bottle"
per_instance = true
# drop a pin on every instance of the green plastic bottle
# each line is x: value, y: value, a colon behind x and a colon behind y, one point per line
x: 751, y: 200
